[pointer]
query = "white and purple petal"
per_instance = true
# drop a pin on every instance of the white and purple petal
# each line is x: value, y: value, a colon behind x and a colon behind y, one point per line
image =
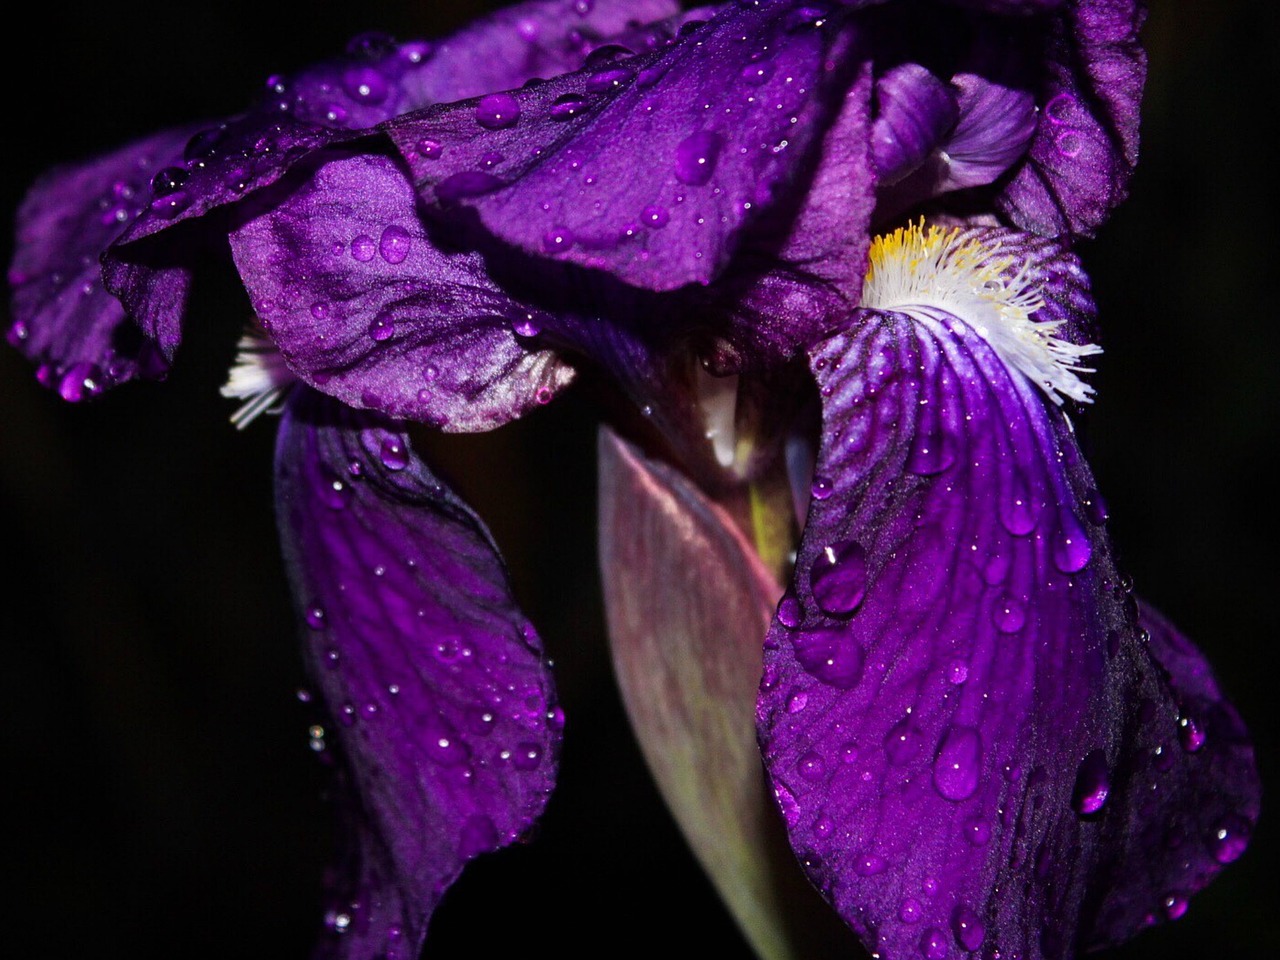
x: 365, y: 306
x: 444, y: 725
x: 971, y: 741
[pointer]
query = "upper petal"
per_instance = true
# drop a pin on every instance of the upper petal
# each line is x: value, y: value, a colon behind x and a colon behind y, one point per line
x: 959, y: 711
x: 648, y: 166
x: 445, y: 728
x: 365, y: 306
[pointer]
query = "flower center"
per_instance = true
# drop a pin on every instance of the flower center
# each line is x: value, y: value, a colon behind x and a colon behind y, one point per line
x: 917, y: 270
x: 258, y: 376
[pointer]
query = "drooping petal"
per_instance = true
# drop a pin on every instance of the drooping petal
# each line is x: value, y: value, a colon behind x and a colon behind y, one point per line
x: 64, y: 320
x: 958, y: 710
x: 914, y: 112
x: 1086, y: 142
x: 366, y: 307
x: 645, y: 166
x: 445, y: 729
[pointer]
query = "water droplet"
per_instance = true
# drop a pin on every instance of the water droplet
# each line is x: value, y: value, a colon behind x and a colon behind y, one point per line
x: 394, y: 244
x: 838, y: 577
x: 1175, y: 905
x: 811, y: 766
x: 797, y: 701
x: 831, y: 655
x: 1019, y: 512
x: 903, y: 743
x: 315, y: 616
x: 1190, y: 734
x: 527, y: 756
x: 608, y: 80
x: 655, y: 216
x: 445, y: 749
x: 977, y: 831
x: 933, y: 944
x: 1095, y: 507
x: 957, y: 672
x: 1093, y: 784
x: 382, y: 329
x: 320, y: 310
x: 497, y: 111
x: 168, y: 180
x: 171, y: 204
x: 430, y: 149
x: 958, y: 765
x: 757, y: 73
x: 526, y: 327
x: 334, y: 491
x: 567, y: 106
x: 696, y: 157
x: 364, y: 248
x: 364, y: 84
x: 789, y: 611
x: 1008, y: 615
x: 1229, y: 840
x: 821, y: 488
x: 869, y: 864
x: 910, y: 910
x: 557, y: 240
x: 1071, y: 547
x: 931, y: 453
x: 968, y: 928
x: 394, y: 453
x: 81, y: 382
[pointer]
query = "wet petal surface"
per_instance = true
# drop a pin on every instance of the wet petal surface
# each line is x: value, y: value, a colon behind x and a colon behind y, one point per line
x: 366, y: 307
x: 961, y: 660
x: 444, y: 727
x: 721, y: 119
x: 64, y: 318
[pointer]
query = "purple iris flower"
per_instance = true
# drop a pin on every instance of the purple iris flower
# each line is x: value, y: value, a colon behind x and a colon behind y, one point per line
x: 979, y: 742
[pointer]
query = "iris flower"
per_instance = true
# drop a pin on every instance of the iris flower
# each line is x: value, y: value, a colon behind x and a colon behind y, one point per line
x: 825, y: 252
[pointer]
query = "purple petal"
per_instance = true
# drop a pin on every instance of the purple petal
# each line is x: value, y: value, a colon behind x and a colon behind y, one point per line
x: 959, y: 663
x: 995, y: 126
x: 1086, y: 144
x: 647, y: 166
x: 64, y: 320
x: 445, y: 728
x: 915, y: 111
x: 365, y: 307
x: 1206, y: 761
x: 797, y: 280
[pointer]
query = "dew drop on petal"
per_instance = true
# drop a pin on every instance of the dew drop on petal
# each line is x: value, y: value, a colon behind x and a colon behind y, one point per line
x: 364, y: 248
x: 1008, y: 615
x: 314, y: 616
x: 497, y: 111
x: 968, y: 928
x: 382, y: 329
x: 789, y: 611
x: 933, y: 944
x: 811, y: 766
x: 1093, y: 784
x: 394, y: 244
x: 394, y: 453
x: 334, y: 491
x: 567, y: 106
x: 903, y: 743
x: 1229, y: 839
x: 958, y: 764
x: 696, y: 157
x: 838, y: 577
x: 1190, y: 734
x: 1071, y: 547
x: 431, y: 149
x: 655, y: 216
x: 831, y: 655
x: 868, y: 865
x: 977, y: 831
x: 910, y: 910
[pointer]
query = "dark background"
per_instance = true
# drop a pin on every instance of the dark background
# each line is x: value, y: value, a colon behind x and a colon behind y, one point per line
x: 162, y: 796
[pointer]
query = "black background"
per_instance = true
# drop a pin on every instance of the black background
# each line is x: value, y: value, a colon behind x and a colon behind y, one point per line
x: 161, y: 794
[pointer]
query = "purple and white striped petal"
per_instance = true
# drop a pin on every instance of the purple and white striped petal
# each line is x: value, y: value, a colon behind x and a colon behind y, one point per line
x: 444, y: 728
x: 959, y: 711
x: 365, y: 306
